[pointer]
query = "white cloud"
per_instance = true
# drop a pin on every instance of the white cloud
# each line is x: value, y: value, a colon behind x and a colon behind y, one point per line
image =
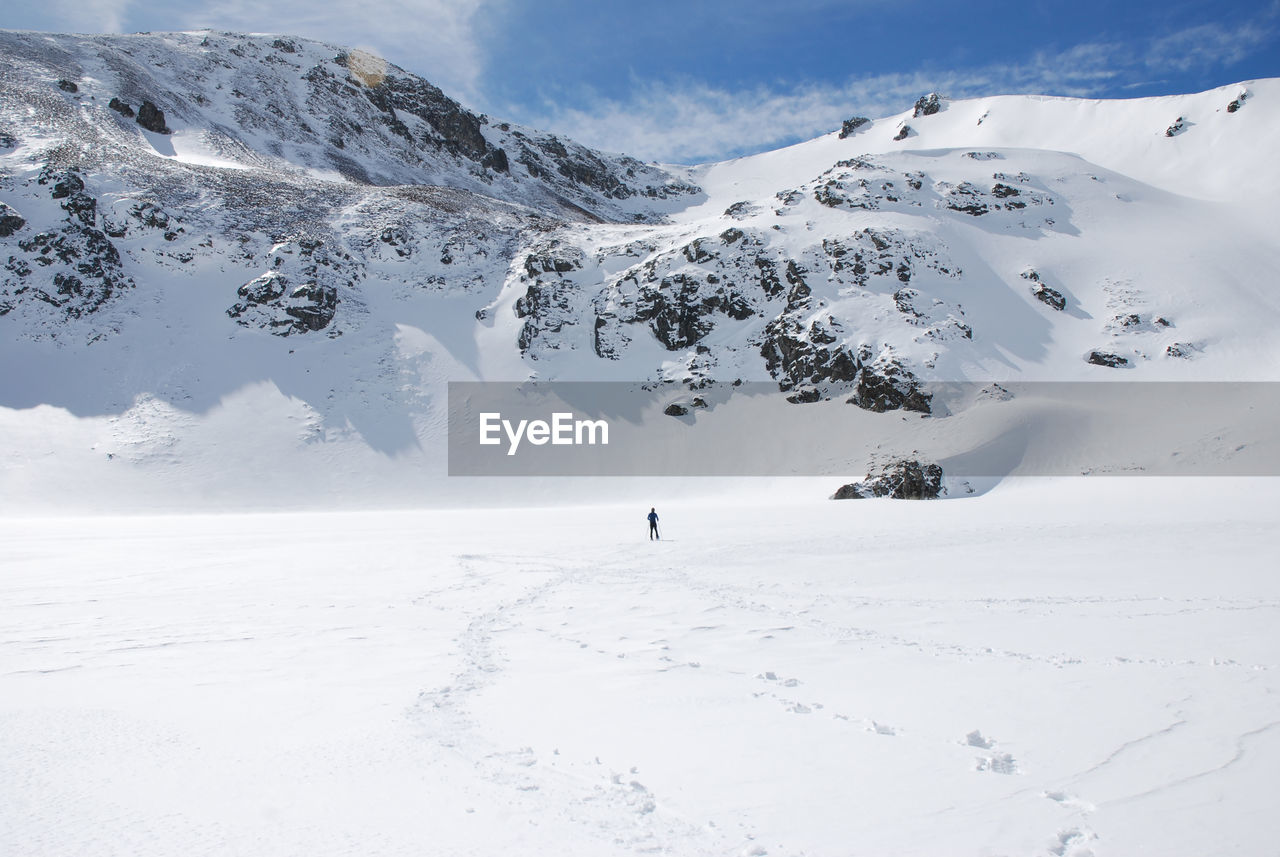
x: 1210, y: 45
x: 437, y: 39
x: 689, y: 122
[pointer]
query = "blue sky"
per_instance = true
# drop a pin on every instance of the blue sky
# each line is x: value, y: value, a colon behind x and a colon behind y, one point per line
x: 690, y: 81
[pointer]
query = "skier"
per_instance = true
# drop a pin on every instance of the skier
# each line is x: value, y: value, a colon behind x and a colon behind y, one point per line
x: 653, y: 524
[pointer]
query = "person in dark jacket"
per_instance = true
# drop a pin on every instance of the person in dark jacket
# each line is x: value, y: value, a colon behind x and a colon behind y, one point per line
x: 653, y: 525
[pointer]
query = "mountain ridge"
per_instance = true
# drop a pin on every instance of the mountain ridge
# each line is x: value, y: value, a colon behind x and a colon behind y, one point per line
x: 165, y: 291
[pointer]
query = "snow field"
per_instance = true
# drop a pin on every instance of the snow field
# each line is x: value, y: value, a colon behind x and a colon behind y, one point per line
x: 1055, y: 667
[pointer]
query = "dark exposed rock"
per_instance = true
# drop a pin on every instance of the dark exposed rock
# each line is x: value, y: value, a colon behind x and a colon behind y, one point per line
x: 65, y: 182
x: 545, y: 305
x: 550, y: 261
x: 67, y: 86
x: 795, y: 356
x: 1179, y: 125
x: 285, y: 45
x: 905, y: 479
x: 966, y: 198
x: 121, y: 107
x: 800, y: 290
x: 1003, y: 191
x: 680, y: 312
x: 309, y: 307
x: 805, y: 396
x: 903, y: 132
x: 852, y: 124
x: 769, y: 282
x: 152, y: 118
x: 84, y: 268
x: 264, y: 289
x: 397, y: 238
x: 1049, y: 296
x: 10, y: 221
x: 1237, y: 102
x: 675, y: 409
x: 274, y: 303
x: 696, y: 252
x: 889, y: 386
x: 927, y: 105
x: 314, y: 306
x: 1105, y: 358
x: 496, y: 160
x: 1180, y: 349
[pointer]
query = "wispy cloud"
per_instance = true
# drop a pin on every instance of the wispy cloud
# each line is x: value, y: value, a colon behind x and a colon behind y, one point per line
x: 1211, y: 45
x: 435, y: 38
x: 688, y: 121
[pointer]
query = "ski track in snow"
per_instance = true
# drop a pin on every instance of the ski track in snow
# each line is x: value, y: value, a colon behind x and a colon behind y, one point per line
x: 811, y: 682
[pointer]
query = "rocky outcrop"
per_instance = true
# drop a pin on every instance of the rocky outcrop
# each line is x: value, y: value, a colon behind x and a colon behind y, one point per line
x: 121, y: 107
x: 1238, y: 102
x: 1049, y: 296
x: 904, y: 131
x: 1179, y: 125
x: 682, y: 294
x: 10, y: 221
x: 68, y: 86
x: 1106, y: 358
x: 73, y: 268
x: 547, y: 306
x: 888, y: 385
x: 903, y: 479
x: 300, y: 294
x: 927, y: 105
x: 152, y: 118
x: 798, y: 356
x: 851, y: 125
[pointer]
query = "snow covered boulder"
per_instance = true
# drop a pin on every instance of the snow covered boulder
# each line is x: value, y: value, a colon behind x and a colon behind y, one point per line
x: 904, y: 479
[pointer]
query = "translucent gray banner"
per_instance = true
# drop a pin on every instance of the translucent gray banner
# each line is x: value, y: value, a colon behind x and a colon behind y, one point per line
x: 972, y: 430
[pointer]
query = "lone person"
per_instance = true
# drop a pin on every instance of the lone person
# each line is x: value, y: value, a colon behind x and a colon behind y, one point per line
x: 653, y: 524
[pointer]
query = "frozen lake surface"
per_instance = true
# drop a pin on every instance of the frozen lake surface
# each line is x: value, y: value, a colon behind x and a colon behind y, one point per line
x: 1057, y: 667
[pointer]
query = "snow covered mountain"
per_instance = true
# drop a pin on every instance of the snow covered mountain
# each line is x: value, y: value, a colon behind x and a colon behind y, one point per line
x: 240, y: 269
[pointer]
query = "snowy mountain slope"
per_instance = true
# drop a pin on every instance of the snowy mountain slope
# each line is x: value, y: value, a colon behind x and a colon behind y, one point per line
x: 302, y: 108
x: 262, y: 300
